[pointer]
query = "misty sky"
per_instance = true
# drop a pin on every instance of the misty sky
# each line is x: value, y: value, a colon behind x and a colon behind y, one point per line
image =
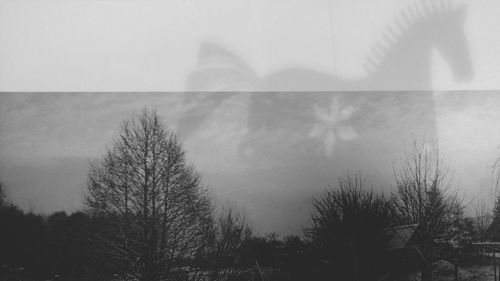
x: 130, y: 45
x: 268, y: 154
x: 272, y: 172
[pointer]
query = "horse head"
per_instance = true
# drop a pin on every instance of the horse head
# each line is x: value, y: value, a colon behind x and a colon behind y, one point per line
x: 453, y: 47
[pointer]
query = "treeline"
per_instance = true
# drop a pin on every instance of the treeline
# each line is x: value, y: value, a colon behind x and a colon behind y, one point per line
x: 63, y: 247
x: 147, y: 217
x: 34, y: 247
x: 345, y: 240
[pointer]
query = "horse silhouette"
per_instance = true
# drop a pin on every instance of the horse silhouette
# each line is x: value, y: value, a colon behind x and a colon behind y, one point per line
x: 400, y: 60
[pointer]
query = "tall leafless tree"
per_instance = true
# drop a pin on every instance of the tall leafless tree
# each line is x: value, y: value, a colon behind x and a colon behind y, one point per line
x: 423, y: 197
x: 493, y: 229
x: 495, y: 171
x: 2, y: 196
x: 154, y: 212
x: 482, y: 219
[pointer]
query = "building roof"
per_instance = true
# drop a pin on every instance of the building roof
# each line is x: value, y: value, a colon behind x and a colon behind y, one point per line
x: 399, y: 236
x: 491, y: 247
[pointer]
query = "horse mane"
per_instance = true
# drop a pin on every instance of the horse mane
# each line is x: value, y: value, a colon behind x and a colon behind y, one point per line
x: 415, y: 13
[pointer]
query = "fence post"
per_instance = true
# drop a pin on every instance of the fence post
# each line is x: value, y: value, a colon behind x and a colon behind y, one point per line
x: 494, y: 267
x: 260, y: 272
x: 456, y: 269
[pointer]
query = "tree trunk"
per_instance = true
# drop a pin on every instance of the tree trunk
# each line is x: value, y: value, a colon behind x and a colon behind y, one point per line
x: 427, y: 271
x: 150, y: 273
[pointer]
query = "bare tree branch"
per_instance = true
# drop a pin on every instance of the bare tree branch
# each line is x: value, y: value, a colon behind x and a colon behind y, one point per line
x: 424, y: 197
x: 153, y: 209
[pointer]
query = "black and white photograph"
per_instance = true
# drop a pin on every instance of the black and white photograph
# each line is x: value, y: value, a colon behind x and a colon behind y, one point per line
x: 236, y: 140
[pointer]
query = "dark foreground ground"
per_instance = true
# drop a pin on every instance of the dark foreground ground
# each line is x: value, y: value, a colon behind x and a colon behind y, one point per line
x: 445, y: 271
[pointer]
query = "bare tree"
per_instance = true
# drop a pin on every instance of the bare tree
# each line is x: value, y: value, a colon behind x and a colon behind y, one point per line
x: 493, y: 229
x: 347, y: 231
x: 482, y: 219
x: 227, y: 236
x: 153, y: 211
x: 423, y: 198
x: 495, y: 171
x: 3, y: 201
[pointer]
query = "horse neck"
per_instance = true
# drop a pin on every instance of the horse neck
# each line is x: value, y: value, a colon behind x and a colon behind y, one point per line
x: 406, y: 65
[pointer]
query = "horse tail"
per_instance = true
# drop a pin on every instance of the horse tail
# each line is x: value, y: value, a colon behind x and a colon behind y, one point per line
x: 219, y: 72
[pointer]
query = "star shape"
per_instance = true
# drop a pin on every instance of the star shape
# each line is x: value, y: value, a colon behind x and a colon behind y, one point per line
x: 332, y: 123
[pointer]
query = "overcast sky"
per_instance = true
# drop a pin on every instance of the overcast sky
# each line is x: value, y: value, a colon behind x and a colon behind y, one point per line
x: 130, y: 45
x: 271, y: 171
x: 268, y: 154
